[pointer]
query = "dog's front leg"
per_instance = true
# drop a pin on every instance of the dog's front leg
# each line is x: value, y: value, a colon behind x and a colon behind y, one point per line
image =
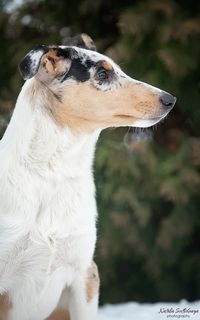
x: 84, y: 294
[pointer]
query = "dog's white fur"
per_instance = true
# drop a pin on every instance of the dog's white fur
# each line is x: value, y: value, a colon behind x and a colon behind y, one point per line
x: 47, y: 214
x: 47, y: 210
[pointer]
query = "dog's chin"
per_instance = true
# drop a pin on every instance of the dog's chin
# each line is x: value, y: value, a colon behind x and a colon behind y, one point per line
x: 146, y: 123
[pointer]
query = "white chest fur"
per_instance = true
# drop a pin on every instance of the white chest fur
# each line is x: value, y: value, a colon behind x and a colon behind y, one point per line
x: 47, y: 198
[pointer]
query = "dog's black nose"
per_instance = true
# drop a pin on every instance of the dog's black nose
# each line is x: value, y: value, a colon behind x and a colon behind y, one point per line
x: 167, y: 100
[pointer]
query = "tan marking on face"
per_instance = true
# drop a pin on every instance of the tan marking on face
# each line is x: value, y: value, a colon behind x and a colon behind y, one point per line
x: 5, y: 306
x: 85, y: 108
x: 106, y: 65
x: 59, y: 314
x: 92, y: 282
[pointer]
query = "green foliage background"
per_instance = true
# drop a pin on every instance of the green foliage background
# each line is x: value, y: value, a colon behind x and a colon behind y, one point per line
x: 148, y: 183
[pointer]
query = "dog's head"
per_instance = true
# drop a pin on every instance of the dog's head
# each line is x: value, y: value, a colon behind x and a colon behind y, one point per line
x: 89, y: 91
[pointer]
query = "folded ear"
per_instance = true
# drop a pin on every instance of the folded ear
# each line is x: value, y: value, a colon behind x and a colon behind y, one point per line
x: 30, y: 63
x: 46, y: 62
x: 82, y: 41
x: 55, y: 62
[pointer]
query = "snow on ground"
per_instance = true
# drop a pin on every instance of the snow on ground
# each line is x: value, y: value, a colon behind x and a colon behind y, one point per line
x: 156, y: 311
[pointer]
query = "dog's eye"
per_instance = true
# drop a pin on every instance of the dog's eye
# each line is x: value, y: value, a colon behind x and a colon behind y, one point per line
x: 102, y: 74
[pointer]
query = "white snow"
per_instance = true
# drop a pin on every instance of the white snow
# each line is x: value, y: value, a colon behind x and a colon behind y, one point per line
x: 156, y: 311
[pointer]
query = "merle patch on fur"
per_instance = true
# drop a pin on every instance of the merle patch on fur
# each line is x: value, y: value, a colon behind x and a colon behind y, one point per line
x: 78, y: 71
x: 29, y: 66
x: 67, y: 53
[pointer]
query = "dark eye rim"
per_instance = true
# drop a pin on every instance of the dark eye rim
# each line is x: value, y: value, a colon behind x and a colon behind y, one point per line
x: 102, y: 74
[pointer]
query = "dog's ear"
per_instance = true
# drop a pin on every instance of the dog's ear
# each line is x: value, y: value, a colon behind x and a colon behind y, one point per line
x: 29, y: 65
x: 82, y: 41
x: 55, y: 62
x: 46, y: 62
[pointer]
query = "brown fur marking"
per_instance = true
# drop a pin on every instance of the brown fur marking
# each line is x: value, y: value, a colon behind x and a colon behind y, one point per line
x: 83, y: 108
x: 5, y: 306
x: 51, y: 65
x: 92, y: 282
x: 51, y: 62
x: 87, y: 41
x: 106, y: 65
x: 59, y: 314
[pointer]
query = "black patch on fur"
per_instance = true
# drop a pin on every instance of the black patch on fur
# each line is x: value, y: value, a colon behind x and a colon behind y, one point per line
x: 78, y: 71
x: 66, y: 53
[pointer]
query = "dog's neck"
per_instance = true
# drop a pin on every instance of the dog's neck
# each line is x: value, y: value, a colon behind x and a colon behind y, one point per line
x: 48, y: 173
x: 33, y: 138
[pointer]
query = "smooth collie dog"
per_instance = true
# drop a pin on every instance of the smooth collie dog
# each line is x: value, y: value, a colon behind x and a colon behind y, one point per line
x: 47, y: 195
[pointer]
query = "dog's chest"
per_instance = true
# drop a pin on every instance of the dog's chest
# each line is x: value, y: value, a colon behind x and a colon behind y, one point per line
x: 61, y: 176
x: 48, y: 196
x: 66, y: 208
x: 66, y: 220
x: 63, y: 232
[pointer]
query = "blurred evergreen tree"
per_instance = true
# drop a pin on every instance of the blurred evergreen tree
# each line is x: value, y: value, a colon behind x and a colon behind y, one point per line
x: 148, y: 189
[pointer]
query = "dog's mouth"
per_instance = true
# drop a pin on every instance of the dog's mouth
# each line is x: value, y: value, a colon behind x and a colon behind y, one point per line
x: 142, y: 122
x: 145, y: 123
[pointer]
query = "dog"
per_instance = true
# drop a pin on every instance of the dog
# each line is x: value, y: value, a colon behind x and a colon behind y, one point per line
x: 47, y: 200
